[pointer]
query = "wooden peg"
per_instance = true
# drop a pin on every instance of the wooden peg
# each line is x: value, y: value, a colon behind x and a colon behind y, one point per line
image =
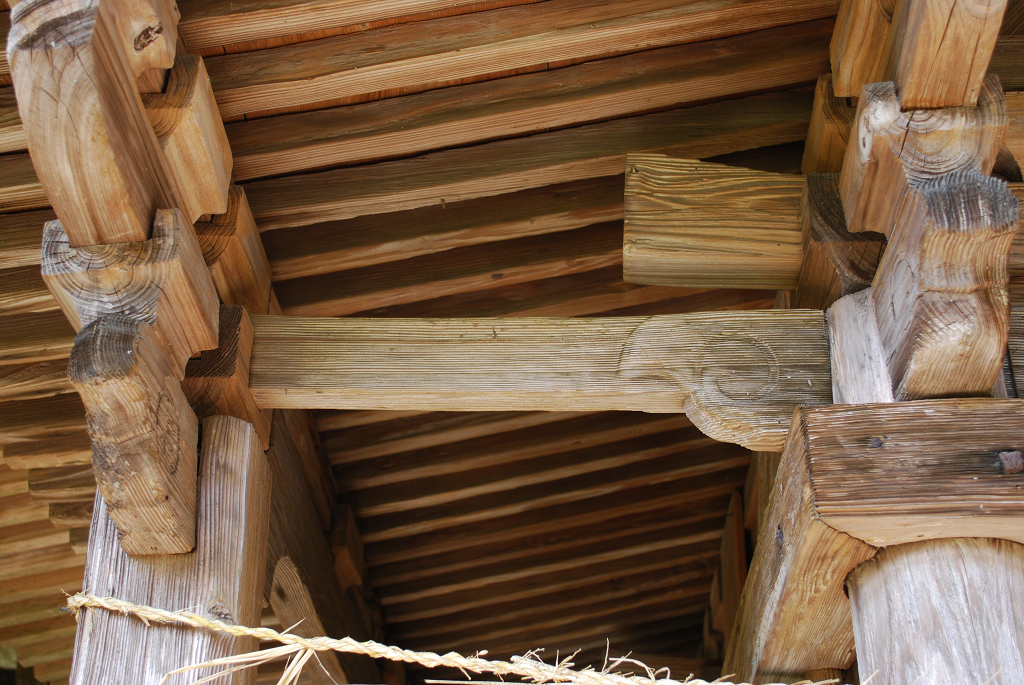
x: 836, y: 262
x: 829, y: 132
x: 217, y: 383
x: 892, y: 148
x: 144, y: 433
x: 191, y: 135
x: 234, y: 253
x: 163, y: 282
x: 91, y: 142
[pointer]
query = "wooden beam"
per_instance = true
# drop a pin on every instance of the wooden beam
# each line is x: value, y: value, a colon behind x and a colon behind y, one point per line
x: 529, y: 103
x: 858, y: 44
x: 454, y: 49
x: 20, y: 189
x: 938, y: 50
x: 696, y: 224
x: 737, y: 375
x: 854, y: 477
x: 79, y: 51
x: 20, y: 236
x: 829, y: 132
x: 835, y: 261
x: 221, y: 579
x: 542, y: 159
x: 859, y: 372
x: 966, y: 615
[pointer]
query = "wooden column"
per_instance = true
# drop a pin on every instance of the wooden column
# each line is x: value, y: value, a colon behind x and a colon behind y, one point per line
x: 221, y: 578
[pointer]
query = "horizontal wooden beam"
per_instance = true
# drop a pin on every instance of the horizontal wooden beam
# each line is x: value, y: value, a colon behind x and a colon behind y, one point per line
x: 737, y: 375
x: 854, y: 477
x: 696, y: 224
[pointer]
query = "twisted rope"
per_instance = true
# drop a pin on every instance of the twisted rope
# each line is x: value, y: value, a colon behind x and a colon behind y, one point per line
x: 529, y: 667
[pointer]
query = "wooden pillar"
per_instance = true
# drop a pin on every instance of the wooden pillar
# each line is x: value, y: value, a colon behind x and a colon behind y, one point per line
x: 943, y: 612
x: 222, y: 578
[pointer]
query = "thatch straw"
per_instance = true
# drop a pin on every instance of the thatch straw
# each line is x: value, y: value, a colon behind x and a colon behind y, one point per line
x: 300, y: 650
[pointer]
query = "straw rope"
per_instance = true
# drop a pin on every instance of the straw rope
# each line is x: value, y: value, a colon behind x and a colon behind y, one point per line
x: 528, y: 667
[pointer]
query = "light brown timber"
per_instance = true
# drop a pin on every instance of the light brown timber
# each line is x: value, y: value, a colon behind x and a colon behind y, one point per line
x: 859, y: 372
x: 20, y: 189
x: 695, y: 224
x: 938, y: 51
x: 1015, y: 129
x: 835, y: 261
x: 162, y: 282
x: 29, y: 381
x: 858, y: 44
x: 541, y: 159
x: 64, y: 449
x: 221, y: 579
x: 64, y: 484
x: 737, y: 375
x: 191, y: 134
x: 20, y: 236
x: 144, y: 434
x: 446, y: 50
x: 71, y: 514
x: 941, y: 612
x: 93, y: 146
x: 733, y: 569
x: 853, y: 476
x: 829, y: 132
x: 12, y: 131
x: 32, y: 338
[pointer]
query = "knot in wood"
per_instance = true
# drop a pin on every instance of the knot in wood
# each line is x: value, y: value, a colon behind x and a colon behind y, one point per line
x: 1011, y: 462
x: 148, y: 36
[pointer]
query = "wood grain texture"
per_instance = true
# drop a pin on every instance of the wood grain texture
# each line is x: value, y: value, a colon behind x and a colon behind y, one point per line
x: 32, y: 338
x: 144, y: 434
x: 234, y: 253
x: 73, y: 448
x: 695, y: 224
x: 20, y: 189
x: 508, y: 166
x: 1016, y: 347
x: 191, y: 134
x: 942, y: 611
x: 858, y: 45
x: 1008, y: 62
x: 896, y: 148
x: 859, y: 372
x: 93, y: 146
x: 62, y: 484
x: 221, y: 579
x: 443, y: 51
x: 12, y: 131
x: 938, y: 51
x: 162, y: 282
x: 528, y: 103
x: 1015, y: 130
x: 829, y: 132
x: 217, y: 383
x: 941, y: 288
x: 20, y: 237
x: 835, y: 261
x: 737, y: 375
x: 48, y: 416
x: 24, y: 292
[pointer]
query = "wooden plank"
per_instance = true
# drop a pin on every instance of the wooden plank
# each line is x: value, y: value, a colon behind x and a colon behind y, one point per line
x: 938, y: 50
x: 541, y: 159
x: 31, y: 381
x: 33, y: 338
x: 446, y: 50
x: 858, y: 45
x: 829, y: 132
x: 967, y: 615
x: 854, y: 476
x: 64, y: 484
x: 20, y: 189
x: 694, y: 224
x: 20, y: 237
x: 98, y: 102
x: 859, y: 371
x: 479, y: 267
x: 528, y: 103
x: 1008, y: 62
x: 12, y: 132
x: 71, y: 514
x: 221, y: 579
x: 561, y: 364
x: 835, y: 262
x: 733, y: 563
x: 1015, y: 130
x: 24, y: 292
x: 29, y: 419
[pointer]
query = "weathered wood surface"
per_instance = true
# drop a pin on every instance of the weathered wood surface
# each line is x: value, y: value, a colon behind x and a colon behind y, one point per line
x: 527, y: 103
x: 507, y: 166
x: 859, y: 372
x: 92, y: 146
x: 144, y: 434
x: 691, y: 223
x: 856, y: 476
x: 447, y: 50
x: 737, y: 375
x: 895, y: 149
x: 217, y: 383
x: 858, y: 44
x: 835, y: 261
x: 829, y: 132
x: 221, y: 579
x: 941, y: 612
x: 162, y: 282
x: 191, y: 134
x: 64, y: 484
x: 938, y: 50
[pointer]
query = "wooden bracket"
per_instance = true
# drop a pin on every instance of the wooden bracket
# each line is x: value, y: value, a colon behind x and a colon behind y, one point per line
x: 192, y: 137
x: 144, y: 433
x: 217, y: 383
x: 854, y: 478
x: 836, y: 262
x: 163, y: 282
